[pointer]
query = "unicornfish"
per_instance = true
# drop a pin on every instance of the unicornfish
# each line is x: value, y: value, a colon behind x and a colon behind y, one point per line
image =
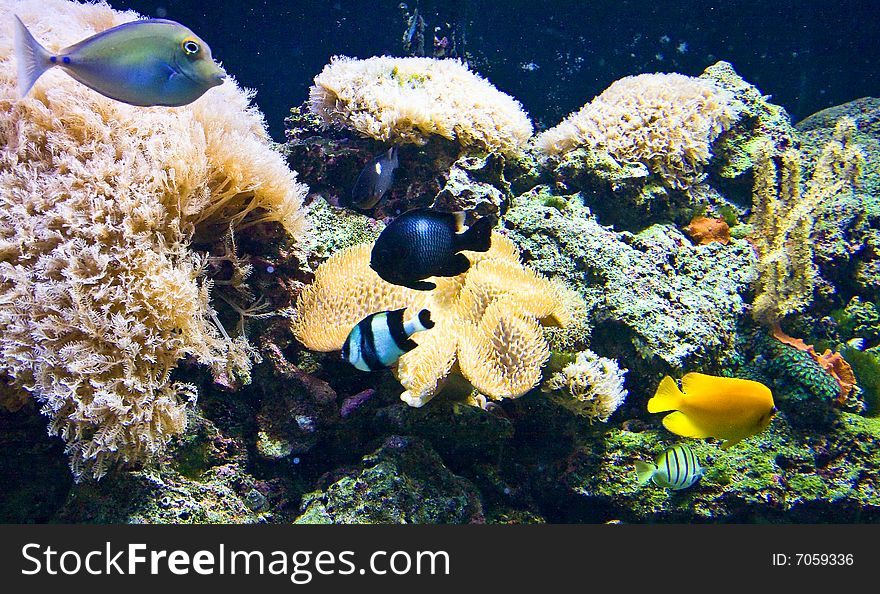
x: 147, y: 62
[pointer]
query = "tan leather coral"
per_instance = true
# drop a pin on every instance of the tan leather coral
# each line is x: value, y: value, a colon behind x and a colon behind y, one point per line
x: 487, y: 320
x: 345, y: 291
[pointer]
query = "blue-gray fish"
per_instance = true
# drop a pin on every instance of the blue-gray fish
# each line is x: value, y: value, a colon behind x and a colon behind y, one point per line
x: 424, y: 242
x: 380, y: 339
x: 375, y: 179
x: 147, y: 62
x: 676, y: 468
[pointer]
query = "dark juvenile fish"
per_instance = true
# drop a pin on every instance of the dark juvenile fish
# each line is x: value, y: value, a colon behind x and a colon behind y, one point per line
x: 423, y: 242
x: 380, y: 339
x: 375, y: 179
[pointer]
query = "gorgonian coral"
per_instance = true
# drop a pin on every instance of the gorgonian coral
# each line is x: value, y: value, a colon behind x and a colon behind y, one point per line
x: 411, y: 99
x: 100, y: 292
x: 783, y: 216
x: 665, y: 121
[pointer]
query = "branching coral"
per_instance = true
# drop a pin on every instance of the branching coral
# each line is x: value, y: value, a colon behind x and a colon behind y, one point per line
x: 486, y: 319
x: 100, y: 292
x: 591, y: 386
x: 411, y: 99
x: 783, y: 220
x: 665, y: 121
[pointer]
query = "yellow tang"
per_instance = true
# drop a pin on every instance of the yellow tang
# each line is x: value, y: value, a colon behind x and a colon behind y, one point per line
x: 709, y: 406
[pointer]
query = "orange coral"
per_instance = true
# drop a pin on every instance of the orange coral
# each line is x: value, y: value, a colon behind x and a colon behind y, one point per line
x: 832, y: 362
x: 704, y: 230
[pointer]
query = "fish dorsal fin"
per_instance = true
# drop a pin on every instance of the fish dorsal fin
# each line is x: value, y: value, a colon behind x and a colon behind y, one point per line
x: 667, y: 397
x: 680, y: 424
x: 699, y: 384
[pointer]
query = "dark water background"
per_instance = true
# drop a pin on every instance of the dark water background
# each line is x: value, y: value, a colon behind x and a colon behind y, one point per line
x: 551, y: 56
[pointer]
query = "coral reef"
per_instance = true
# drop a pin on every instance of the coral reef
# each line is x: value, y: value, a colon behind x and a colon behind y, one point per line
x: 409, y: 100
x: 760, y: 122
x: 846, y: 231
x: 147, y: 256
x: 780, y: 475
x: 101, y: 292
x: 667, y: 297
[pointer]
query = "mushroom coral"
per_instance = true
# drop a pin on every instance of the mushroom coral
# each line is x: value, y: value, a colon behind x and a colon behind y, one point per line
x: 487, y: 319
x: 101, y: 293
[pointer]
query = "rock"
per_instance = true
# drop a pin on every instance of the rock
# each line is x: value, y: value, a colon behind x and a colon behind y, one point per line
x: 403, y: 482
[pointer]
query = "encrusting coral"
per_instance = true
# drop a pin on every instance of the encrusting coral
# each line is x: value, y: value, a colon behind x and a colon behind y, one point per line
x: 665, y: 121
x: 409, y: 100
x: 486, y: 319
x: 100, y: 292
x: 783, y: 218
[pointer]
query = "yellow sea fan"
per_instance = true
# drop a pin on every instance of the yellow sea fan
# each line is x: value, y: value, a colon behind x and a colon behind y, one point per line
x: 503, y: 356
x: 345, y: 291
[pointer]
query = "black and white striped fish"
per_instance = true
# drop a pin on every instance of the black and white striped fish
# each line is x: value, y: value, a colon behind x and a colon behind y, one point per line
x: 380, y: 339
x: 676, y: 468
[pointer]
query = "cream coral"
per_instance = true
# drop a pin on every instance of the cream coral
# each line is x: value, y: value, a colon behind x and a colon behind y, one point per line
x: 665, y: 121
x: 101, y: 293
x: 591, y: 386
x: 409, y: 100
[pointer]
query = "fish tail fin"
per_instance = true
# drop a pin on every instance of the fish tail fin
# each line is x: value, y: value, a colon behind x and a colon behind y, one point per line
x: 392, y: 156
x: 31, y: 57
x: 420, y: 322
x: 478, y: 237
x: 667, y: 397
x: 645, y: 472
x: 425, y: 319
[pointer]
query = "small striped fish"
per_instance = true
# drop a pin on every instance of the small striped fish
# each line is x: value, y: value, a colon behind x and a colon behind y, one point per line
x: 380, y: 339
x: 676, y: 468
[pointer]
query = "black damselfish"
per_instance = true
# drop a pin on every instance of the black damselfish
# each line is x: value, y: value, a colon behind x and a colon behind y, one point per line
x: 380, y: 339
x: 375, y: 179
x: 424, y: 242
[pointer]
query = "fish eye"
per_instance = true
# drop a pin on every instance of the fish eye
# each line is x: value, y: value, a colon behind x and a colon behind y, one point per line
x: 191, y: 47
